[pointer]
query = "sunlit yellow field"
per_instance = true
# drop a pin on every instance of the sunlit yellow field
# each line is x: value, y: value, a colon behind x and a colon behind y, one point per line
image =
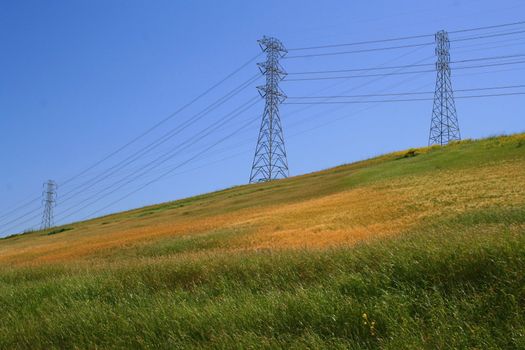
x: 419, y: 249
x: 302, y: 212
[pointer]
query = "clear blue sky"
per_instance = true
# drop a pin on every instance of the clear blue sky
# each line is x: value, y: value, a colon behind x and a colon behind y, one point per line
x: 81, y: 78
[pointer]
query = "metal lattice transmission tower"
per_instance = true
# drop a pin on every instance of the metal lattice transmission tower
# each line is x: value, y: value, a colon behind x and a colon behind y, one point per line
x: 269, y: 162
x: 444, y: 126
x: 49, y: 195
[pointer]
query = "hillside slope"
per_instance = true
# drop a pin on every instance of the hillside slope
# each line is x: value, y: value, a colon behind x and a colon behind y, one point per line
x: 417, y: 249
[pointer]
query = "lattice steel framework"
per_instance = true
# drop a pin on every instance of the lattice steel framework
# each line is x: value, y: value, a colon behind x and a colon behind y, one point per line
x: 269, y: 162
x: 444, y: 126
x: 49, y: 195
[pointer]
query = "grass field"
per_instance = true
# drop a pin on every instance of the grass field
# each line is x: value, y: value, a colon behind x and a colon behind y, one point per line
x: 420, y: 249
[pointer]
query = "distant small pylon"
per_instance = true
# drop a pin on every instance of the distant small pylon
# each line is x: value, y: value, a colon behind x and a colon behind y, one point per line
x: 444, y: 126
x: 49, y: 195
x: 269, y: 162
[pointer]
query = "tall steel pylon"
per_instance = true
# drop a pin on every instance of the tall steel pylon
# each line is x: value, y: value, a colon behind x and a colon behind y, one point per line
x: 269, y: 162
x: 444, y: 126
x: 49, y: 195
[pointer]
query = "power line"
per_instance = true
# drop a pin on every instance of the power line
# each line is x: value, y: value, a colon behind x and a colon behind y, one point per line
x: 491, y: 65
x: 401, y: 38
x: 361, y: 76
x: 487, y: 58
x: 401, y: 100
x: 363, y: 42
x: 325, y: 123
x: 399, y: 73
x: 361, y: 69
x: 367, y: 82
x: 488, y: 36
x: 149, y: 130
x: 167, y: 136
x: 163, y: 158
x: 175, y: 168
x: 487, y: 27
x: 22, y: 216
x: 133, y: 157
x: 402, y: 66
x: 493, y: 95
x: 245, y: 142
x: 484, y: 46
x: 160, y: 160
x: 22, y: 223
x: 323, y: 114
x: 406, y: 93
x: 26, y: 204
x: 489, y: 72
x: 359, y: 51
x: 400, y: 46
x: 161, y: 122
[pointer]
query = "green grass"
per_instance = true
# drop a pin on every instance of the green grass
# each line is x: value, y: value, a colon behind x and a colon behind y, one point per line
x: 448, y: 285
x: 455, y: 282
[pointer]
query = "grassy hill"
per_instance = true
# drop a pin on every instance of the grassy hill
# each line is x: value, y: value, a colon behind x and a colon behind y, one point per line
x: 417, y: 249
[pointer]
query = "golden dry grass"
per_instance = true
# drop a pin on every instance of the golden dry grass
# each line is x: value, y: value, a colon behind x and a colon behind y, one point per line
x: 387, y: 208
x: 384, y: 208
x: 381, y: 208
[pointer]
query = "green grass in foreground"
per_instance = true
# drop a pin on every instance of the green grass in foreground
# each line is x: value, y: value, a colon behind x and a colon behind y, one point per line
x: 459, y: 282
x: 455, y: 282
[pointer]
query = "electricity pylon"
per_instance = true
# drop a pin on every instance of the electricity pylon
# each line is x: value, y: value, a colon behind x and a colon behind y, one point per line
x: 444, y: 126
x: 269, y: 162
x: 49, y: 195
